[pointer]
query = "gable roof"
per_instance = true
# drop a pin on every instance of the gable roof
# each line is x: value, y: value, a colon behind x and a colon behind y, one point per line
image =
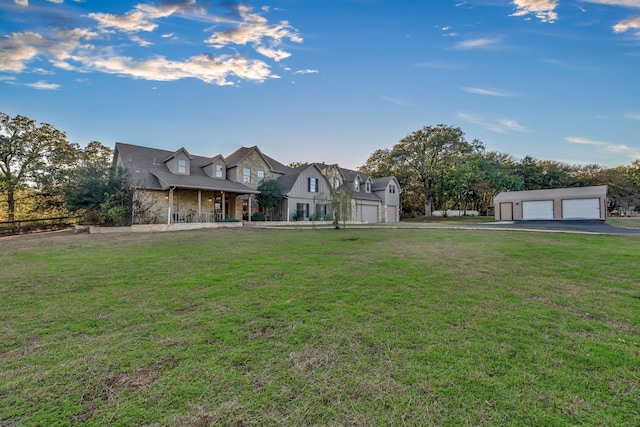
x: 147, y: 170
x: 287, y: 181
x: 241, y: 153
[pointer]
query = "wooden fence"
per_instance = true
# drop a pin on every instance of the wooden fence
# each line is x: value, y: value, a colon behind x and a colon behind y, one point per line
x: 8, y: 228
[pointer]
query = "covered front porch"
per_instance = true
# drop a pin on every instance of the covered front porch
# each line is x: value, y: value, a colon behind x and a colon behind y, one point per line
x: 204, y: 206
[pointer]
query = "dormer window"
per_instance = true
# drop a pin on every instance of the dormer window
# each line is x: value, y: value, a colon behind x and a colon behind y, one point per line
x: 182, y: 166
x: 219, y: 171
x: 356, y: 185
x: 367, y: 187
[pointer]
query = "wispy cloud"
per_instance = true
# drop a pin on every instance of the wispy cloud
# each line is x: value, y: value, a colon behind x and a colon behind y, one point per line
x: 544, y: 10
x: 584, y: 141
x: 481, y: 43
x: 626, y: 3
x: 397, y: 101
x: 498, y: 126
x: 308, y: 71
x: 101, y: 46
x: 633, y: 116
x: 484, y: 91
x: 444, y: 65
x: 42, y: 85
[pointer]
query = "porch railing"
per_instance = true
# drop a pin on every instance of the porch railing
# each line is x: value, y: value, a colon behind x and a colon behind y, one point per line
x: 191, y: 217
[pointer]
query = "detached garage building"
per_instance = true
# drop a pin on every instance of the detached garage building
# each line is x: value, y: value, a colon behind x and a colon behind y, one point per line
x: 561, y: 203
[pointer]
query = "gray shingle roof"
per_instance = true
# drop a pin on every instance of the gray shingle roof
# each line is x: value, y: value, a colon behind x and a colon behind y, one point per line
x: 147, y: 170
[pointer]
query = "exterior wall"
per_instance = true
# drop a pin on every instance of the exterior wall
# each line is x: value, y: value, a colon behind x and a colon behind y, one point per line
x: 254, y: 162
x: 516, y: 198
x: 300, y: 193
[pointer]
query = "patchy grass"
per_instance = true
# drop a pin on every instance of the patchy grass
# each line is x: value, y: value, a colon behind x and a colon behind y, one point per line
x: 629, y: 222
x: 320, y: 327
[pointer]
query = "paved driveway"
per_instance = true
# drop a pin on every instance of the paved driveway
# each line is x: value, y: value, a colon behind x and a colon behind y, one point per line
x: 585, y: 226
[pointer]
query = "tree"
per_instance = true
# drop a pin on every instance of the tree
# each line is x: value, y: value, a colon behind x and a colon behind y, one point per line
x: 428, y: 154
x: 29, y: 155
x: 270, y: 196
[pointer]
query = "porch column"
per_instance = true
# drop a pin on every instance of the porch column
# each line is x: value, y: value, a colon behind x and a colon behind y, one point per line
x: 199, y: 206
x: 249, y: 214
x: 170, y: 205
x: 223, y: 207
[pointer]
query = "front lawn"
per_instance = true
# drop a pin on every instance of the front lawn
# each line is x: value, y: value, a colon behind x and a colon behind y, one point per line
x: 355, y: 327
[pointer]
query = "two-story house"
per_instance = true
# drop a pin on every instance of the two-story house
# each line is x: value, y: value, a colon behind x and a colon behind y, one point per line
x: 181, y: 187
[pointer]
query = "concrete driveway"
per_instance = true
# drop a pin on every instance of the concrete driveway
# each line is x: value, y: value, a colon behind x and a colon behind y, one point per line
x: 584, y: 226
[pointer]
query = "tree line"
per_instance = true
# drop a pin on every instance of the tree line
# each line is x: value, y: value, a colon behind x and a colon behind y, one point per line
x: 439, y: 169
x: 43, y: 175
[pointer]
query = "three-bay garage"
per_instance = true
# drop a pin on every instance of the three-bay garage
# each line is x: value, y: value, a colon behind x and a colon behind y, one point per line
x: 556, y: 204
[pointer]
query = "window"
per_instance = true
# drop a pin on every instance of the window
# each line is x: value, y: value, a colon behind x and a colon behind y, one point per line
x: 392, y: 189
x: 219, y: 171
x: 182, y: 166
x: 356, y: 185
x: 260, y: 177
x: 335, y: 182
x: 246, y: 176
x: 367, y: 187
x: 302, y: 210
x: 312, y: 185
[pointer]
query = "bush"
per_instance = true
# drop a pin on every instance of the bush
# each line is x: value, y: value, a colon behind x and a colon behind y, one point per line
x: 258, y: 216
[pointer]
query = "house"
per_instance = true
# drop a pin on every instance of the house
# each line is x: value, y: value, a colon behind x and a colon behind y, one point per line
x: 561, y: 203
x: 180, y: 187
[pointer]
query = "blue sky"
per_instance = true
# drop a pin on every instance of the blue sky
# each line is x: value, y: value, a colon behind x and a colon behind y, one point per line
x: 329, y: 80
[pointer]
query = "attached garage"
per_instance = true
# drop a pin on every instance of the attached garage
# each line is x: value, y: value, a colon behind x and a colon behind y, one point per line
x: 367, y: 213
x: 556, y: 204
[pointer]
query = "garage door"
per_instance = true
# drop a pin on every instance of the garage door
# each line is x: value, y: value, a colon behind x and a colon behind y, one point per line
x: 368, y: 213
x: 581, y: 209
x: 539, y: 209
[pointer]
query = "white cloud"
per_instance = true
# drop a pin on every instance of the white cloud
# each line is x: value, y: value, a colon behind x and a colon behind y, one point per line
x: 498, y: 126
x: 397, y: 101
x: 307, y: 71
x: 627, y: 3
x: 96, y: 49
x: 23, y: 3
x: 544, y: 10
x: 627, y: 24
x: 633, y: 116
x: 256, y: 31
x: 42, y: 85
x: 584, y: 141
x: 207, y: 68
x: 141, y: 18
x: 477, y: 43
x: 482, y: 91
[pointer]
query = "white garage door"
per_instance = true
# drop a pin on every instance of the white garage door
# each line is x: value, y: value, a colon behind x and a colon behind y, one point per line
x: 539, y: 209
x: 581, y: 209
x: 368, y: 213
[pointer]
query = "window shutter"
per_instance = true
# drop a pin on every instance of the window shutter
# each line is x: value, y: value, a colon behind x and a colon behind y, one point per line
x: 308, y: 184
x: 317, y: 186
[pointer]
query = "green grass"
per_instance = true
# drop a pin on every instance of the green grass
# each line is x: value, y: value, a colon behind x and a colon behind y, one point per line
x: 631, y: 222
x: 320, y: 327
